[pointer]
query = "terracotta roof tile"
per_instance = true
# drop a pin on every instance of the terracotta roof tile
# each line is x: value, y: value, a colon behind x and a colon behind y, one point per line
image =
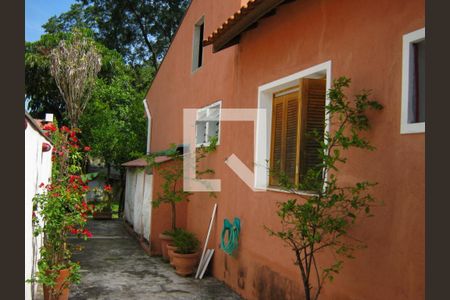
x: 244, y: 10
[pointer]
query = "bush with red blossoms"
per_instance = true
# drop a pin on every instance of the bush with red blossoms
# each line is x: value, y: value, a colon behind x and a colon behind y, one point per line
x: 61, y: 210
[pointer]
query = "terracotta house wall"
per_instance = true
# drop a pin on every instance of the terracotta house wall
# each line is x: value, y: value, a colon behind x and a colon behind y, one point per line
x: 363, y: 40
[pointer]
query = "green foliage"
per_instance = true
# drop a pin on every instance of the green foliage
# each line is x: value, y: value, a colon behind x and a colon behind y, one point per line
x: 40, y: 87
x: 60, y: 209
x: 185, y: 241
x: 114, y: 123
x: 323, y: 219
x: 140, y: 31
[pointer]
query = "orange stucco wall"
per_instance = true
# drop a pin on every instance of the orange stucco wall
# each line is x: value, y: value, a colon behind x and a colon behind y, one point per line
x: 363, y: 40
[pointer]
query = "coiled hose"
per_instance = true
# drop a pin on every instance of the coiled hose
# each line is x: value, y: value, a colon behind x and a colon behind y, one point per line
x: 232, y: 232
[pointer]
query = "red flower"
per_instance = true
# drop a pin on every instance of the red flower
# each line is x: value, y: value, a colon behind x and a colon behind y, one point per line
x: 87, y: 233
x: 50, y: 127
x: 85, y: 188
x: 84, y: 204
x: 41, y: 185
x: 65, y: 129
x: 87, y: 148
x: 107, y: 188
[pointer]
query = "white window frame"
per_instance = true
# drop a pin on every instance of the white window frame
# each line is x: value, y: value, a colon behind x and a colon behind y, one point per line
x: 263, y: 129
x: 206, y: 110
x: 195, y: 42
x: 408, y: 40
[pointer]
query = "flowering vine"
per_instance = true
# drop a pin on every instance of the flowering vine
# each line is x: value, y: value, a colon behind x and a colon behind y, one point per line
x: 61, y: 210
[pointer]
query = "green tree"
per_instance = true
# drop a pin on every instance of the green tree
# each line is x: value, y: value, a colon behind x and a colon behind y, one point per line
x: 140, y: 30
x: 115, y: 124
x: 40, y: 87
x: 41, y: 92
x: 310, y: 224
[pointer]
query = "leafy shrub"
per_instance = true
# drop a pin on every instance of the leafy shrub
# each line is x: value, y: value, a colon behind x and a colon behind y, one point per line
x: 185, y: 241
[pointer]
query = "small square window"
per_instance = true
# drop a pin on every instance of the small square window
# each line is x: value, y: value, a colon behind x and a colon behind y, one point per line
x: 413, y: 83
x: 207, y: 124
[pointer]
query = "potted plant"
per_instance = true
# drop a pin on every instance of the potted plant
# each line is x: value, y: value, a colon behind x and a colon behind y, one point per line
x: 59, y: 211
x: 166, y: 238
x: 170, y: 246
x: 186, y: 254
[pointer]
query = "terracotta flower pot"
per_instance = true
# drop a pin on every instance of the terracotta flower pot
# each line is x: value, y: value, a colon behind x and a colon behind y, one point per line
x: 170, y: 250
x: 165, y: 240
x: 185, y: 263
x: 61, y: 289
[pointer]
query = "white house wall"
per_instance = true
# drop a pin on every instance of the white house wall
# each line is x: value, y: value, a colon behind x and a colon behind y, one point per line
x: 38, y: 167
x: 147, y: 205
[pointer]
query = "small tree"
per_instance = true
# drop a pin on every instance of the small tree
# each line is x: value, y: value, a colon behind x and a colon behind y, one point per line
x: 172, y: 186
x: 323, y: 219
x: 74, y: 64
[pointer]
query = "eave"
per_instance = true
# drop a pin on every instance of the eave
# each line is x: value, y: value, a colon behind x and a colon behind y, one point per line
x: 246, y: 18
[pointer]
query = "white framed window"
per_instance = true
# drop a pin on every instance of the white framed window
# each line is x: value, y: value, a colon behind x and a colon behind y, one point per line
x: 208, y: 124
x: 413, y: 83
x: 197, y: 49
x: 267, y: 94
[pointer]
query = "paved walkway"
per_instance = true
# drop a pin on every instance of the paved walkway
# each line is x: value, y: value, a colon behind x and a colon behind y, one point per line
x: 114, y: 266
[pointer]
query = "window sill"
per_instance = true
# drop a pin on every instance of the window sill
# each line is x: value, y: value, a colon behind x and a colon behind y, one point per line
x: 198, y: 146
x: 413, y: 128
x: 300, y: 193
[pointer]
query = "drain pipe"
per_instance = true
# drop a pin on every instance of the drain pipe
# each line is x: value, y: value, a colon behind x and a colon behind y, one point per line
x: 149, y: 124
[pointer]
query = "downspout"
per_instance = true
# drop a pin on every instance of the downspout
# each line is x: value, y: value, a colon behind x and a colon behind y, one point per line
x: 149, y: 124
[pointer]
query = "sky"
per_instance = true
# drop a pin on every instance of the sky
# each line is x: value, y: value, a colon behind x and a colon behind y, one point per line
x: 37, y: 12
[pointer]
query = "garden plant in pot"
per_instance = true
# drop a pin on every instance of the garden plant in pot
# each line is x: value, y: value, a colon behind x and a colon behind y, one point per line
x: 60, y: 211
x: 172, y: 187
x: 185, y: 256
x: 170, y: 246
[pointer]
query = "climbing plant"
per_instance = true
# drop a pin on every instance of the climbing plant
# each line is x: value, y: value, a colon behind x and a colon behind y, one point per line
x: 60, y: 210
x: 322, y: 220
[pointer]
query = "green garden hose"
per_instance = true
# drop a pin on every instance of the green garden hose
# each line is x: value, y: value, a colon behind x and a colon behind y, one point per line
x: 232, y: 236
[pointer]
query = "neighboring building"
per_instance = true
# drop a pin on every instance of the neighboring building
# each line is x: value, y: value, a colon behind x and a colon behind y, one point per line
x: 268, y: 55
x: 38, y: 168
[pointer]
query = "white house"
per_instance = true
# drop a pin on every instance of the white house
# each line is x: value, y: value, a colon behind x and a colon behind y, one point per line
x: 38, y: 166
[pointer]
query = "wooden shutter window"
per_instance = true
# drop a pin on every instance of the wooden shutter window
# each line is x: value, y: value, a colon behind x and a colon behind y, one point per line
x: 295, y: 116
x: 292, y: 114
x: 285, y: 116
x: 313, y: 116
x: 277, y: 138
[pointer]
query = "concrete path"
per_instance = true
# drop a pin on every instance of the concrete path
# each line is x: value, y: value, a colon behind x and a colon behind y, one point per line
x: 114, y: 266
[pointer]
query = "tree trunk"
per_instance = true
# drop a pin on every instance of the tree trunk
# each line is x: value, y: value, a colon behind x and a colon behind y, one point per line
x: 122, y: 193
x: 108, y: 172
